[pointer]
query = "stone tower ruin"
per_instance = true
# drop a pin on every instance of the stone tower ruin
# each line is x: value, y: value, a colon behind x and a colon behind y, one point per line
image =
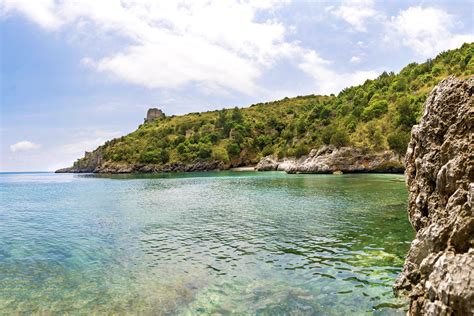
x: 153, y: 114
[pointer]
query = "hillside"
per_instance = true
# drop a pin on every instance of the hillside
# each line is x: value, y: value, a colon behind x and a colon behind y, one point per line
x: 372, y: 117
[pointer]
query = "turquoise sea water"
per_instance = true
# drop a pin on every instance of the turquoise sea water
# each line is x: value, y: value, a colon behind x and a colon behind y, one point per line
x: 229, y: 242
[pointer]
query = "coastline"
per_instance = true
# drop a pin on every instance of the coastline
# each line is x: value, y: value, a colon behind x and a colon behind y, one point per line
x: 236, y: 169
x: 243, y: 168
x: 325, y: 160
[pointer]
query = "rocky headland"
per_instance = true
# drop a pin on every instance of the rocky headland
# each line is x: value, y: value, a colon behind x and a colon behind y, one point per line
x: 97, y: 165
x: 438, y: 275
x: 329, y: 159
x: 367, y: 125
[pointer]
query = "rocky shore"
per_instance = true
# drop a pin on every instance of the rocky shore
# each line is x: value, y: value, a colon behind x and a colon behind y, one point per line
x: 438, y: 275
x: 114, y: 168
x: 327, y: 159
x: 330, y: 159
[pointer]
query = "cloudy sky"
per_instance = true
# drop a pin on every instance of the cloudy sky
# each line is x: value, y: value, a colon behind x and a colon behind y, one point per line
x: 76, y: 73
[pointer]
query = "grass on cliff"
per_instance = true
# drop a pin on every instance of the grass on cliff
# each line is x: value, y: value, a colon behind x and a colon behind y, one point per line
x: 376, y: 115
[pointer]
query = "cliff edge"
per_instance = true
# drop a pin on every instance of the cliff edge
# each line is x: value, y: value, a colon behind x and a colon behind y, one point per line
x: 438, y: 275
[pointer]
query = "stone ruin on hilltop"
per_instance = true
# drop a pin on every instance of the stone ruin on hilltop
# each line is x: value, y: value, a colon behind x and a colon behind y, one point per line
x: 153, y: 114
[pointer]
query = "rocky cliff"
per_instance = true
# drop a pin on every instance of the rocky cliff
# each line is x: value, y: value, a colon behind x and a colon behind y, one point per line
x: 329, y: 159
x: 95, y: 164
x: 89, y: 163
x: 438, y: 276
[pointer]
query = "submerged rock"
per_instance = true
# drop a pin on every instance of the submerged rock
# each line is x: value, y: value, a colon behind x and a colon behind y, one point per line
x: 329, y: 159
x: 438, y: 275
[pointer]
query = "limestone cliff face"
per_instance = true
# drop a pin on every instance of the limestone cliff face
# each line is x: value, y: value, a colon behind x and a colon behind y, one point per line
x: 329, y: 159
x: 438, y: 276
x: 89, y: 163
x: 93, y: 163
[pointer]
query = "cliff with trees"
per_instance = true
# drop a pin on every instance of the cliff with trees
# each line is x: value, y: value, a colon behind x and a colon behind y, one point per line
x: 374, y: 117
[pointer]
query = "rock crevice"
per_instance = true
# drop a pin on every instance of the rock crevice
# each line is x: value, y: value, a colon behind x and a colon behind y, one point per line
x: 438, y: 275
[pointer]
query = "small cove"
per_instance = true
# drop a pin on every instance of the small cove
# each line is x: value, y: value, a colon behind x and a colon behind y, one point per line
x: 202, y: 243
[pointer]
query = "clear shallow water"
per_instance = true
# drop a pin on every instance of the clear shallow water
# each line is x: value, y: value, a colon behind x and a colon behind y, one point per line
x: 229, y: 242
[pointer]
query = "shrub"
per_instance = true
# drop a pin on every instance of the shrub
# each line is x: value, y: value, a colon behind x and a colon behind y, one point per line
x: 204, y: 151
x: 339, y: 138
x: 155, y: 156
x: 233, y: 150
x: 326, y: 134
x: 287, y: 134
x: 399, y: 85
x: 282, y: 152
x: 300, y: 127
x: 398, y: 141
x: 182, y: 148
x: 178, y: 140
x: 375, y: 110
x: 220, y: 154
x: 262, y: 140
x: 267, y: 150
x: 236, y: 115
x: 406, y: 113
x: 301, y: 150
x: 436, y: 70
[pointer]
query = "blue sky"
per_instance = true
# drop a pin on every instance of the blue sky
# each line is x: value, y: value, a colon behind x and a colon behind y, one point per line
x: 76, y: 73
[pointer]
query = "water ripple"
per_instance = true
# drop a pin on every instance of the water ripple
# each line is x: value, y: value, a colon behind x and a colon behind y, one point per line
x: 242, y: 243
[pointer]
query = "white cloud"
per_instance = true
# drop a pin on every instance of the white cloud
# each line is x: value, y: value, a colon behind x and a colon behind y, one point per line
x: 221, y: 46
x: 217, y: 46
x: 355, y: 59
x: 39, y: 11
x: 213, y: 44
x: 87, y: 140
x: 82, y: 146
x: 356, y: 13
x: 425, y: 30
x: 24, y: 146
x: 327, y: 80
x: 211, y: 65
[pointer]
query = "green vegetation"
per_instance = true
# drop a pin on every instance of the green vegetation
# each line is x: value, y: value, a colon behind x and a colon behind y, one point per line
x: 376, y: 115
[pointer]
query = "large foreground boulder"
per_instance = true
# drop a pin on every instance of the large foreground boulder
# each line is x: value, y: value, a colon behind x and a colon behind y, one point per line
x: 438, y: 276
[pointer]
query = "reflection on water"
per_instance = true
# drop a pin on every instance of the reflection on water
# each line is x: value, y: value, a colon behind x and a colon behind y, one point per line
x: 203, y: 243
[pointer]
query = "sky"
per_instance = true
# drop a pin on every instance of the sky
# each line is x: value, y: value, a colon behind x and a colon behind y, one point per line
x: 77, y: 73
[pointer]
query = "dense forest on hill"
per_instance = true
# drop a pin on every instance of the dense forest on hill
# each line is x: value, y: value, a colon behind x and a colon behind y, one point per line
x: 375, y: 116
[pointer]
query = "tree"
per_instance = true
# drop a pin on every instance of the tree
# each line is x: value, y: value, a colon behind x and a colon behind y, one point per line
x: 237, y: 116
x: 327, y: 133
x: 221, y: 118
x: 339, y: 138
x: 399, y: 85
x: 155, y: 156
x: 376, y: 115
x: 375, y: 109
x: 204, y: 151
x: 220, y: 154
x: 182, y: 149
x: 233, y: 150
x: 300, y: 126
x: 398, y: 141
x: 262, y: 140
x: 406, y: 113
x: 268, y: 150
x: 287, y: 134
